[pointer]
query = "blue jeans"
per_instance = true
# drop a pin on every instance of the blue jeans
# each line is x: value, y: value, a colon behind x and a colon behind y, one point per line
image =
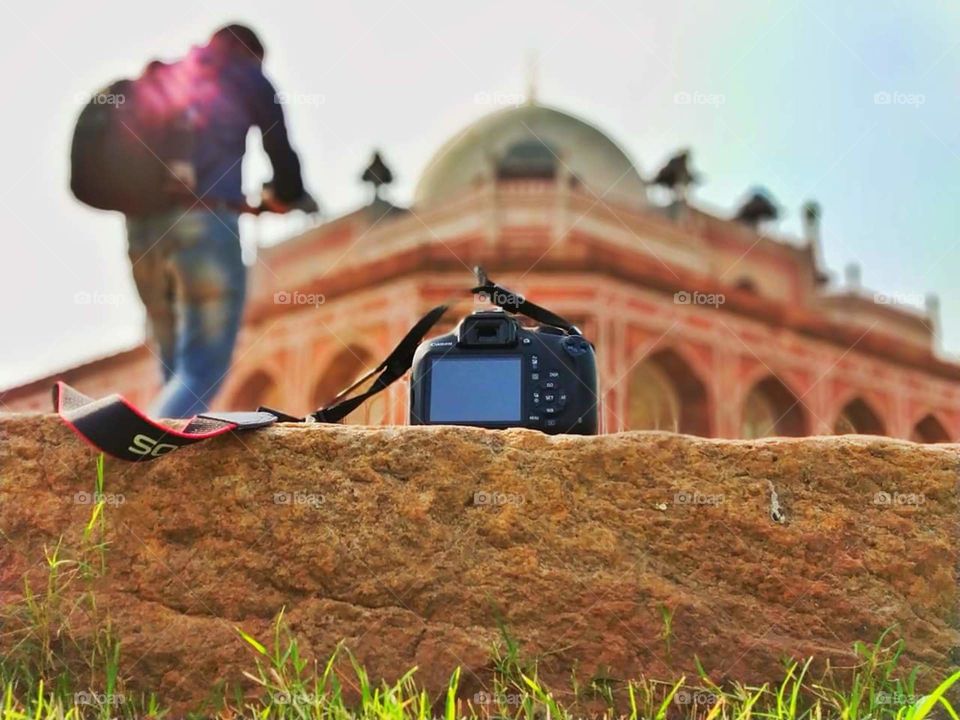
x: 190, y: 275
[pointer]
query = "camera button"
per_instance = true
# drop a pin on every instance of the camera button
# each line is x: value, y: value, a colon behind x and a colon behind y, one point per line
x: 548, y: 385
x: 536, y: 398
x: 535, y: 362
x: 550, y: 410
x: 550, y: 397
x: 535, y: 376
x: 533, y: 418
x: 550, y: 423
x: 553, y: 374
x: 562, y: 400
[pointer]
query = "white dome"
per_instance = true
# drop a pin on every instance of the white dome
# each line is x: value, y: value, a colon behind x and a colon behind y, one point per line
x: 531, y: 141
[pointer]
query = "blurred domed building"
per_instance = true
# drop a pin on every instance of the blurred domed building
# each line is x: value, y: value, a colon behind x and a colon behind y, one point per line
x: 704, y: 325
x: 531, y: 142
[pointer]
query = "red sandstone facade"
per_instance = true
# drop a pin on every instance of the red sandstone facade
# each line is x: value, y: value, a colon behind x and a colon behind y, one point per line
x: 701, y: 324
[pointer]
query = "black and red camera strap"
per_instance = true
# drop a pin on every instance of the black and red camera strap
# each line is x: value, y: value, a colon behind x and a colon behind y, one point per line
x: 115, y: 426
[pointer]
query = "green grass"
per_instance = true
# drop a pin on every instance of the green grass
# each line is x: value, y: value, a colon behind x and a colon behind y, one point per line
x: 39, y: 679
x: 290, y: 687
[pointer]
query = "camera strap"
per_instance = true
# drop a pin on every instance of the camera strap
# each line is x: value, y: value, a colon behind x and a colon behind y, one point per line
x: 390, y: 370
x: 515, y: 304
x: 114, y: 426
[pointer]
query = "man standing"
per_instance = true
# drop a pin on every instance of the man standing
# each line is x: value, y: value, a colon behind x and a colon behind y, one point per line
x: 186, y: 260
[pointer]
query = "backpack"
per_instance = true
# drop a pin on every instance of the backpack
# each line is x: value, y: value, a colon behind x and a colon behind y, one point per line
x: 121, y: 149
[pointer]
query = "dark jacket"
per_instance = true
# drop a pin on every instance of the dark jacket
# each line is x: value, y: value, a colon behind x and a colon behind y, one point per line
x: 221, y: 98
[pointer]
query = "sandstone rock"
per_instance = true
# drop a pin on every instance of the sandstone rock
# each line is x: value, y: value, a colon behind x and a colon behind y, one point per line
x: 407, y: 543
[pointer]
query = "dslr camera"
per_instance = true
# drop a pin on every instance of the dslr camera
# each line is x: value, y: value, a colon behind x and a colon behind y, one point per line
x: 493, y: 372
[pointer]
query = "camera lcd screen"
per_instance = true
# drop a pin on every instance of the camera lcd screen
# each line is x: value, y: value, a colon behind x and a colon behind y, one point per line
x: 475, y: 389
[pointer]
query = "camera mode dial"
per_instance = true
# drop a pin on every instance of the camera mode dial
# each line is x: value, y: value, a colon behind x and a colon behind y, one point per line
x: 576, y: 345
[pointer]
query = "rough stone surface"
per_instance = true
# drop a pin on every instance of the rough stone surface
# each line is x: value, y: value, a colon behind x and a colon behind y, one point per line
x: 407, y: 543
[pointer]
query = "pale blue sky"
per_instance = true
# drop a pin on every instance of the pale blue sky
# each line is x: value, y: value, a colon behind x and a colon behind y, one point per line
x: 793, y: 88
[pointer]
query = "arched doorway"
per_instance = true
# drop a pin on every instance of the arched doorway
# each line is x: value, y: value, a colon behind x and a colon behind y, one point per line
x: 665, y: 394
x: 347, y: 366
x: 929, y: 430
x: 858, y: 418
x: 770, y: 408
x: 259, y: 388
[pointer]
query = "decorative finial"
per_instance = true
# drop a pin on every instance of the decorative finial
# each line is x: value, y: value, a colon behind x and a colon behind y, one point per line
x: 811, y: 213
x: 932, y: 307
x: 759, y: 207
x: 377, y: 174
x: 852, y: 275
x: 677, y: 175
x: 533, y: 70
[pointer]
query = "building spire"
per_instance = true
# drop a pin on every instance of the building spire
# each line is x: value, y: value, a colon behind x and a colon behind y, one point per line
x: 533, y: 72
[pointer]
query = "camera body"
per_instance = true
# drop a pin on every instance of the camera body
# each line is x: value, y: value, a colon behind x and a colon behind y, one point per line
x: 492, y: 372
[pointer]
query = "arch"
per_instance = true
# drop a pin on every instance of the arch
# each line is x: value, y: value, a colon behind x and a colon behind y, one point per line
x: 346, y: 367
x: 664, y: 393
x: 258, y: 388
x: 858, y: 418
x: 929, y: 430
x: 771, y: 408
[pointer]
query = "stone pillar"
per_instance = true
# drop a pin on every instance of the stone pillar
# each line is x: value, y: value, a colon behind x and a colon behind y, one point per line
x: 819, y: 399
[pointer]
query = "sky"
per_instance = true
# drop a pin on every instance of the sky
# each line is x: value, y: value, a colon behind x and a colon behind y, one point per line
x: 853, y: 104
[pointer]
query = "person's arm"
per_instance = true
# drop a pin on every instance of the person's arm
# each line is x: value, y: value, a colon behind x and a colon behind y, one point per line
x: 287, y: 183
